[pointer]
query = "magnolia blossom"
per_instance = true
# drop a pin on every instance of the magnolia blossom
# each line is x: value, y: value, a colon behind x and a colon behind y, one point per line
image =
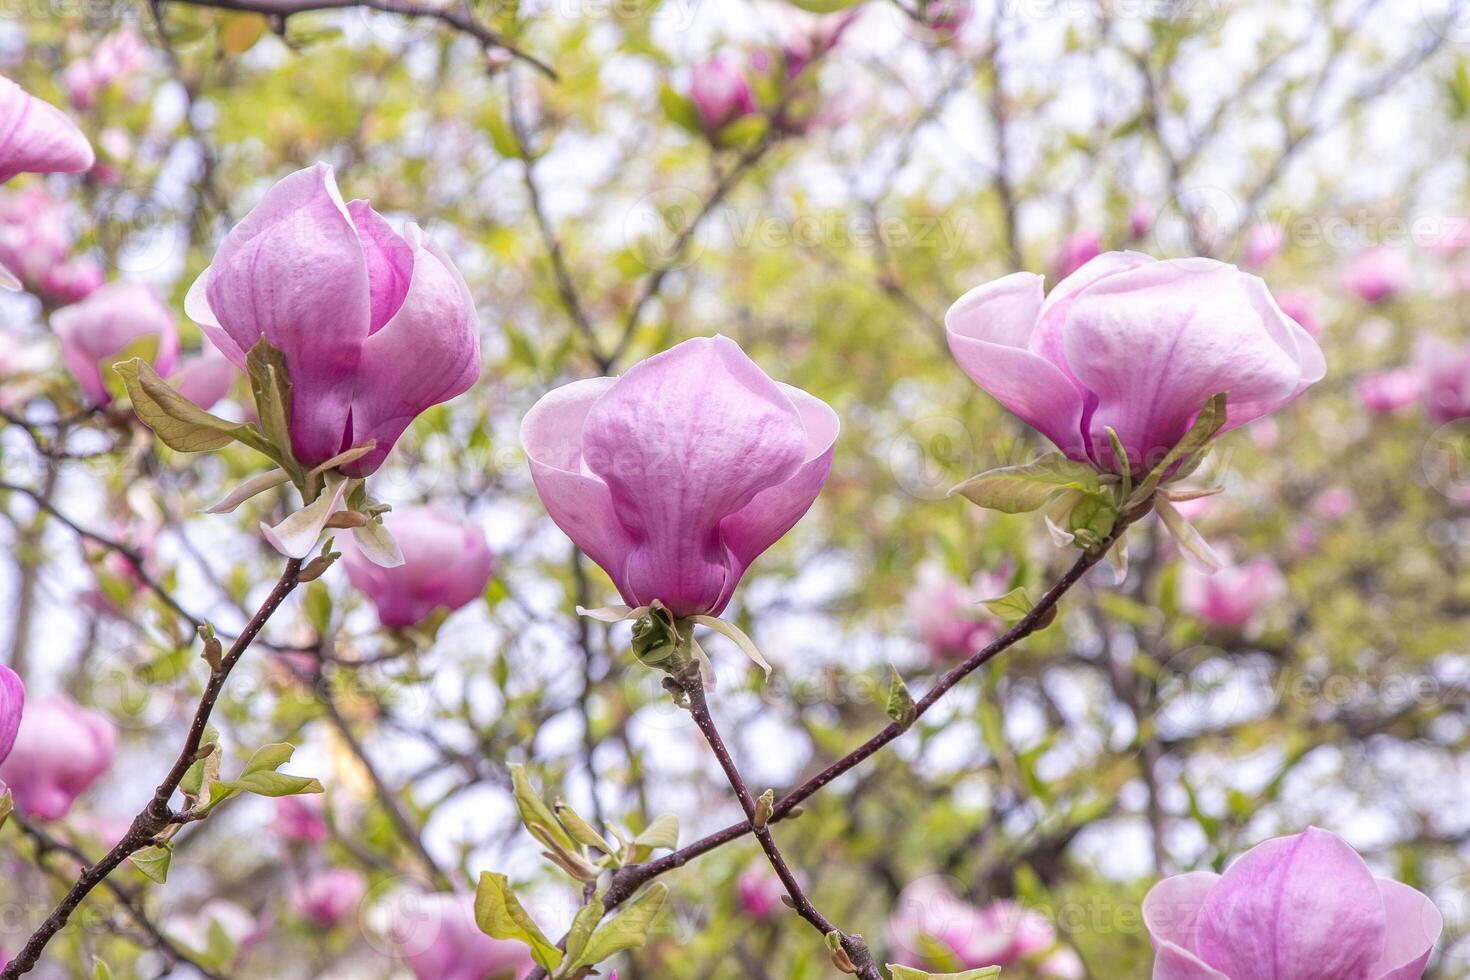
x: 1003, y: 933
x: 950, y: 619
x: 1262, y: 243
x: 437, y: 937
x: 759, y: 893
x: 1134, y: 344
x: 1303, y: 907
x: 205, y: 378
x: 1444, y: 379
x: 325, y: 898
x: 12, y: 703
x: 375, y: 326
x: 677, y: 475
x: 61, y: 749
x: 1077, y: 249
x: 1377, y: 274
x: 446, y: 564
x: 36, y: 243
x: 35, y: 137
x: 116, y: 57
x: 1301, y: 308
x: 1140, y: 219
x: 1389, y: 391
x: 299, y: 819
x: 1232, y: 597
x: 1334, y: 503
x: 104, y: 324
x: 720, y: 93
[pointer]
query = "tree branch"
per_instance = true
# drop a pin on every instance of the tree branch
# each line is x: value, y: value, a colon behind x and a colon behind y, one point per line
x: 158, y: 814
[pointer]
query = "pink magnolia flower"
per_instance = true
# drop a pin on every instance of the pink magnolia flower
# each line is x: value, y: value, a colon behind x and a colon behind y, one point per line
x: 1303, y: 907
x: 1444, y: 379
x: 1376, y: 274
x: 299, y: 819
x: 720, y: 93
x: 677, y: 475
x: 61, y: 749
x: 437, y: 937
x: 1002, y: 933
x: 1334, y: 503
x: 118, y: 56
x: 36, y: 241
x: 206, y: 378
x: 446, y: 564
x: 951, y: 621
x: 325, y: 898
x: 1389, y: 391
x: 1133, y: 343
x: 375, y: 326
x: 1140, y: 219
x: 12, y: 703
x: 759, y: 893
x: 1301, y: 308
x: 1262, y: 243
x: 1077, y: 249
x: 1232, y: 597
x: 106, y: 322
x: 35, y: 137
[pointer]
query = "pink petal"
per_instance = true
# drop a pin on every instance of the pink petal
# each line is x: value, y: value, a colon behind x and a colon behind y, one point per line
x: 103, y: 324
x: 1414, y: 926
x: 60, y: 750
x: 1303, y: 907
x: 12, y: 702
x: 775, y: 510
x: 446, y: 564
x: 294, y: 272
x: 989, y: 329
x: 684, y: 441
x: 1171, y: 908
x: 206, y: 377
x: 1174, y: 963
x: 35, y: 137
x: 390, y: 262
x: 577, y: 499
x: 1152, y: 344
x: 427, y: 353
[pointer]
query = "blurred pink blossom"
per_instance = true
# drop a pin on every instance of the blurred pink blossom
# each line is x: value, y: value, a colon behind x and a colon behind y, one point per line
x: 1234, y: 596
x: 720, y: 93
x: 299, y: 819
x: 1262, y: 243
x: 104, y: 324
x: 1443, y: 371
x: 1301, y: 308
x: 115, y: 59
x: 1077, y: 249
x: 951, y: 621
x: 60, y: 750
x: 1003, y: 933
x: 1377, y: 274
x: 1389, y: 391
x: 36, y: 243
x: 326, y: 897
x: 446, y: 565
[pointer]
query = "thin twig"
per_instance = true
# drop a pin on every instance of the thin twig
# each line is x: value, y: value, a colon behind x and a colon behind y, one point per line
x: 157, y: 814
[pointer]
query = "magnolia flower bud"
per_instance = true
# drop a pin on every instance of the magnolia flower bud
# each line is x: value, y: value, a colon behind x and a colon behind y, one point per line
x: 60, y: 750
x: 446, y: 565
x: 104, y: 325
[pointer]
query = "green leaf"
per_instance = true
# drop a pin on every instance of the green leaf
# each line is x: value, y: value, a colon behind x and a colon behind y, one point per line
x: 900, y: 706
x: 276, y: 784
x: 7, y: 807
x: 535, y: 814
x: 100, y: 970
x: 271, y: 386
x: 269, y: 758
x: 679, y: 110
x: 909, y: 973
x: 499, y: 914
x: 586, y: 920
x: 663, y: 833
x: 627, y: 930
x: 1012, y: 606
x: 1030, y: 486
x: 144, y: 348
x: 823, y: 6
x: 1209, y: 421
x: 179, y: 423
x: 153, y: 861
x: 580, y: 830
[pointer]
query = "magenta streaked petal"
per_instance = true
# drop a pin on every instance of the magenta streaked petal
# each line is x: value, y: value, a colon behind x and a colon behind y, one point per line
x: 36, y: 137
x: 427, y: 353
x: 12, y: 704
x: 1303, y: 907
x: 390, y: 262
x: 294, y: 273
x: 989, y: 331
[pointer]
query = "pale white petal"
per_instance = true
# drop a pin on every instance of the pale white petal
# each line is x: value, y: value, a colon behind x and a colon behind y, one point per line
x: 1196, y: 549
x: 297, y: 535
x: 377, y: 545
x: 733, y: 632
x: 613, y: 614
x: 256, y: 484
